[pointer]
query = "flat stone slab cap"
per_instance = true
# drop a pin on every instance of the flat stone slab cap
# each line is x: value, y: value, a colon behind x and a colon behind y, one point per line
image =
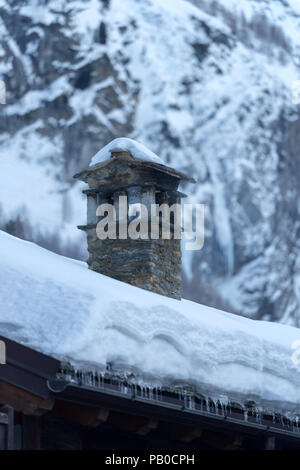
x: 126, y: 155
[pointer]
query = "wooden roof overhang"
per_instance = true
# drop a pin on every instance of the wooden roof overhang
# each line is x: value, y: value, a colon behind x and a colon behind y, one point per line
x: 173, y: 408
x: 32, y: 383
x: 23, y: 379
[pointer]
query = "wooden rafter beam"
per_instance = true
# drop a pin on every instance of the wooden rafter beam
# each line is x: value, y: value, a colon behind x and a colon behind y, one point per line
x: 181, y: 432
x: 24, y: 401
x: 84, y: 415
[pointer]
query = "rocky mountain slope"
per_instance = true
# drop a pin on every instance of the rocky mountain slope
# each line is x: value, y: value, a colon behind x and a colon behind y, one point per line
x: 207, y: 85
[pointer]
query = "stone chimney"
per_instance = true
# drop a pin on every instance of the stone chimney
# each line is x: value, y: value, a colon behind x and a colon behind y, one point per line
x: 152, y: 264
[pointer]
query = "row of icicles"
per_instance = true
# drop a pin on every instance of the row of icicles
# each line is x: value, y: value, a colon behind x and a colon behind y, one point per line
x: 185, y: 397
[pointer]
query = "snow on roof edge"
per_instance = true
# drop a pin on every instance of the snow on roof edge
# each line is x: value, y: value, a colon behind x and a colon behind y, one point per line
x: 62, y: 309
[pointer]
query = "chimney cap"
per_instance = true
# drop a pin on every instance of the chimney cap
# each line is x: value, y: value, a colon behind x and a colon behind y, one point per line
x: 132, y: 151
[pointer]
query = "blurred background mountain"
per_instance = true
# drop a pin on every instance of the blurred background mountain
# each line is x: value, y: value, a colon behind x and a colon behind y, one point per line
x: 207, y: 85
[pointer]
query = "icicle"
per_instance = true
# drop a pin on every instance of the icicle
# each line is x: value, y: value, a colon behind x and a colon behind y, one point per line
x: 192, y: 402
x: 207, y: 404
x: 215, y: 406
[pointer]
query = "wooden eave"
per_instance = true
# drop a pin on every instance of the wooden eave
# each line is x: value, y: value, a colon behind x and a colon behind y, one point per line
x: 23, y: 379
x: 28, y: 383
x: 171, y: 412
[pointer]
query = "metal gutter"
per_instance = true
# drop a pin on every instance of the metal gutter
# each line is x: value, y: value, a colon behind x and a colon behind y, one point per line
x: 173, y: 412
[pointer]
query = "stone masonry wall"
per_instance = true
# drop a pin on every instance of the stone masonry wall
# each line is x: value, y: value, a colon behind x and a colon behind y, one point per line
x: 149, y: 264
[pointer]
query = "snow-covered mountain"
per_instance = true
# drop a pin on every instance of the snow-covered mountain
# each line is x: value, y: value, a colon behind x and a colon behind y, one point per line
x: 207, y: 85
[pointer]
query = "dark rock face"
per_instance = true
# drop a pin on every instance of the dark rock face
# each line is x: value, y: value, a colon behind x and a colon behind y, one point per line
x: 205, y: 87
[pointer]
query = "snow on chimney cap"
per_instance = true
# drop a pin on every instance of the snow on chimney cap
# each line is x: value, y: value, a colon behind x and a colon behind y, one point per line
x: 123, y: 144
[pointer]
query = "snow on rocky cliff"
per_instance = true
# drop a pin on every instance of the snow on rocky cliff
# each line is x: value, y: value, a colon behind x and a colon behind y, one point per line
x: 207, y: 86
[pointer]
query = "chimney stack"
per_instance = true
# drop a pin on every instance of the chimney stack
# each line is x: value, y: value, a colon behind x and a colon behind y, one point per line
x: 126, y: 168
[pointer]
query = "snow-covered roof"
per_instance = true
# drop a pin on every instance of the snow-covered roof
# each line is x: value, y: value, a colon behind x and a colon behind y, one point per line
x: 137, y: 150
x: 61, y: 308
